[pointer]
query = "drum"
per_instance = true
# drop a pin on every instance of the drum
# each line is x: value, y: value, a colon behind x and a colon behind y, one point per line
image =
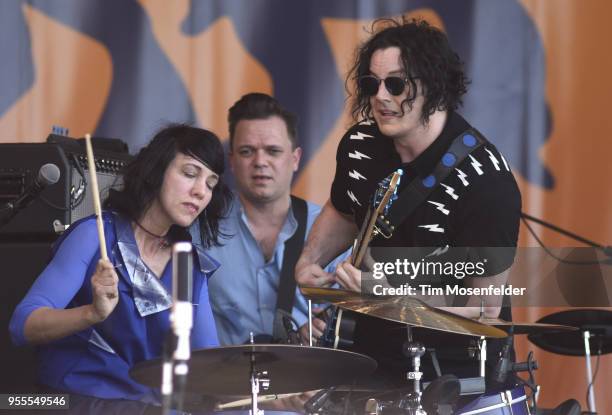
x: 509, y: 402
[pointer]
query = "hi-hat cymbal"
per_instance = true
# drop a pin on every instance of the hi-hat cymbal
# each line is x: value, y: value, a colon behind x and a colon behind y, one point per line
x: 402, y: 309
x: 596, y: 321
x: 225, y: 371
x: 524, y: 328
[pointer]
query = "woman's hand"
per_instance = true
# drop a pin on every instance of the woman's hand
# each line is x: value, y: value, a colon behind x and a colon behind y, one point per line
x: 104, y: 287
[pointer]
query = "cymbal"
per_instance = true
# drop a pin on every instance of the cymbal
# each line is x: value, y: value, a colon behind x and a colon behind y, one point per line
x: 597, y: 322
x: 523, y: 328
x: 402, y: 309
x: 225, y: 371
x: 331, y: 295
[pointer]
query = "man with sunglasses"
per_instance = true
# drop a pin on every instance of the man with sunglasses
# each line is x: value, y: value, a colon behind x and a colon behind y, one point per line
x: 408, y: 84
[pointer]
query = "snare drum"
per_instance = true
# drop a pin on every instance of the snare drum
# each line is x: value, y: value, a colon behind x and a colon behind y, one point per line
x: 509, y: 402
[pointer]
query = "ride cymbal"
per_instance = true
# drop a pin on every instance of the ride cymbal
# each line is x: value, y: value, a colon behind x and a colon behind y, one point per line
x: 402, y: 309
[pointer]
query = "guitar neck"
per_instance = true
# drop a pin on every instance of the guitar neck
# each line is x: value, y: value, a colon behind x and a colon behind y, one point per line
x: 360, y: 245
x: 366, y: 232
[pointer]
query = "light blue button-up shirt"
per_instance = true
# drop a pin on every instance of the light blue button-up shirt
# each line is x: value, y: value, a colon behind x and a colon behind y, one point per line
x: 243, y: 293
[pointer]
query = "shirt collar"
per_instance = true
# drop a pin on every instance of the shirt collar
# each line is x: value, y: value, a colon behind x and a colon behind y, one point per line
x: 150, y: 296
x: 425, y: 162
x: 289, y: 227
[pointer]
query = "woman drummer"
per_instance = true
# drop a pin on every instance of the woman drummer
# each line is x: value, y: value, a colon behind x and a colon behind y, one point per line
x: 93, y: 319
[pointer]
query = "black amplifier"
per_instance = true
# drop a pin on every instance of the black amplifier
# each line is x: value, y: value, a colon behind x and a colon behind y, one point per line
x: 62, y: 203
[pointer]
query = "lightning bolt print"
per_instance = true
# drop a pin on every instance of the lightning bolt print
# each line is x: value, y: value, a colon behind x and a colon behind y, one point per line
x: 476, y: 165
x: 433, y: 228
x: 440, y: 207
x: 439, y: 251
x: 463, y: 177
x: 505, y: 163
x: 450, y: 191
x: 366, y: 122
x: 359, y: 136
x: 356, y: 175
x: 353, y: 197
x: 357, y: 155
x: 493, y: 159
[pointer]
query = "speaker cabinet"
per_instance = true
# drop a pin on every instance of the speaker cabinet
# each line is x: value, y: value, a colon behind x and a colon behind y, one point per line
x: 61, y: 203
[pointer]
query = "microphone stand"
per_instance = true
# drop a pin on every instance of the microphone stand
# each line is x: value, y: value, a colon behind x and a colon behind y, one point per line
x: 177, y: 347
x: 607, y: 250
x: 167, y: 372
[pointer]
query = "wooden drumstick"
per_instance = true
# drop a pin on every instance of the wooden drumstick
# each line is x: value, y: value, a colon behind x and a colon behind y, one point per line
x: 93, y: 181
x: 260, y: 399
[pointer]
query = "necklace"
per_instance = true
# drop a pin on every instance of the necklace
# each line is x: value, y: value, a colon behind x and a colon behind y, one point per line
x: 163, y: 239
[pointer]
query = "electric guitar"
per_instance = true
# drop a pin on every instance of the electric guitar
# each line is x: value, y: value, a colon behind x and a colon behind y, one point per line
x: 341, y: 325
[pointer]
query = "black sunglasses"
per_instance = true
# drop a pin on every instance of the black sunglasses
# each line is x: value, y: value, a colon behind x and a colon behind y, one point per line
x: 369, y: 84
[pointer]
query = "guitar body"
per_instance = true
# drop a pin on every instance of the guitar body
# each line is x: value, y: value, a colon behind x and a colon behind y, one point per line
x: 340, y: 331
x: 380, y: 339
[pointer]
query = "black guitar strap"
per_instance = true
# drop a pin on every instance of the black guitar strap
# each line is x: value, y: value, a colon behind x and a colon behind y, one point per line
x: 417, y: 191
x: 293, y: 249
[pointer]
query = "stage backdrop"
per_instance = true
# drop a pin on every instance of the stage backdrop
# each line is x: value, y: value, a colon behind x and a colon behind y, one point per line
x: 540, y: 73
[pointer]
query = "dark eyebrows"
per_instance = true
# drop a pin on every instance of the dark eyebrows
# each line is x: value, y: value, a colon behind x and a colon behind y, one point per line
x: 199, y: 169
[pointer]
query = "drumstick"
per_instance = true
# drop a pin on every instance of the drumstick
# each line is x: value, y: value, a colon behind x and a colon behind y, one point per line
x: 93, y: 180
x: 247, y: 401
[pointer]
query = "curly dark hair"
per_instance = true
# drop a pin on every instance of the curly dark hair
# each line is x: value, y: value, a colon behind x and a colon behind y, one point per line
x: 426, y: 55
x: 144, y: 175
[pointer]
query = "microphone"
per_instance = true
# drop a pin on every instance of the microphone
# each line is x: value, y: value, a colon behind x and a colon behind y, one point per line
x: 48, y: 174
x: 181, y: 316
x: 504, y: 364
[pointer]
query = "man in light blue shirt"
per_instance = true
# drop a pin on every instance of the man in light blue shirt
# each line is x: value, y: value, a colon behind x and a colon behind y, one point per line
x: 263, y: 156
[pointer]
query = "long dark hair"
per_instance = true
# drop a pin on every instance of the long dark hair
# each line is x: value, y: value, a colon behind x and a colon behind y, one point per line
x: 425, y: 54
x: 144, y: 175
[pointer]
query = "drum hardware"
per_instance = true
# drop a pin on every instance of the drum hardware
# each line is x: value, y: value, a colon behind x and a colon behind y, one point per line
x: 595, y: 337
x: 414, y: 351
x: 223, y: 371
x: 373, y: 407
x: 261, y: 399
x: 309, y: 322
x: 589, y: 372
x: 257, y: 379
x: 316, y: 403
x: 586, y: 320
x: 439, y: 397
x: 482, y: 355
x: 482, y: 343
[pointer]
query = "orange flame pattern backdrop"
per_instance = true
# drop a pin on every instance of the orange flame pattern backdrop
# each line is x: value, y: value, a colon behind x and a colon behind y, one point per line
x: 61, y: 71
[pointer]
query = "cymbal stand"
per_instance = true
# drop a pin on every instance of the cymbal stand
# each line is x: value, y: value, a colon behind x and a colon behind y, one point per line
x: 257, y: 380
x: 482, y: 344
x: 482, y: 355
x: 310, y: 322
x: 413, y: 350
x: 589, y: 371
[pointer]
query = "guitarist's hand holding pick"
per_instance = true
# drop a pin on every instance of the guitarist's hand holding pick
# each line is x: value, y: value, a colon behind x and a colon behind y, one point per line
x: 348, y: 276
x: 312, y: 275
